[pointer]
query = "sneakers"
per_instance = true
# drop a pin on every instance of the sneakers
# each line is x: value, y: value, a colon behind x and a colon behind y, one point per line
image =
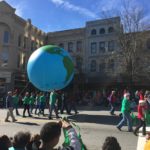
x: 14, y: 120
x: 118, y: 128
x: 6, y: 120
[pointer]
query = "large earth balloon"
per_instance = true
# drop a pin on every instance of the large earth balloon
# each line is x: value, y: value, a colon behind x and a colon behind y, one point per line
x: 50, y: 68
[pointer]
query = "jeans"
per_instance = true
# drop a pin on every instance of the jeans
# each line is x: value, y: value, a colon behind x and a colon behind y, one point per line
x: 51, y: 108
x: 126, y: 117
x: 112, y: 108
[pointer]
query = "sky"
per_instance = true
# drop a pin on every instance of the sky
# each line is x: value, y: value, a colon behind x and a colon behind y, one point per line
x: 56, y: 15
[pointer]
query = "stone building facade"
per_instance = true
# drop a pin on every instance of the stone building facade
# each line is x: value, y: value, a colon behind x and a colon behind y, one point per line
x: 95, y: 50
x: 18, y: 39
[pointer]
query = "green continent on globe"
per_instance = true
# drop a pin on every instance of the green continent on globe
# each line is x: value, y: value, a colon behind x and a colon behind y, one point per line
x: 69, y: 66
x: 53, y: 49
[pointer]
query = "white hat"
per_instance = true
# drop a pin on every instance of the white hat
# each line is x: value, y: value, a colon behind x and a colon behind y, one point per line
x: 142, y: 101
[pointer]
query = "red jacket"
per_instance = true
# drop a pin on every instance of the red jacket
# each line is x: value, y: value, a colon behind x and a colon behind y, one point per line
x: 141, y: 111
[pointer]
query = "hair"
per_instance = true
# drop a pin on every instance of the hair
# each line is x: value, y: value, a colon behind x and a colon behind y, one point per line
x: 50, y: 131
x: 21, y: 139
x: 111, y: 143
x: 5, y: 142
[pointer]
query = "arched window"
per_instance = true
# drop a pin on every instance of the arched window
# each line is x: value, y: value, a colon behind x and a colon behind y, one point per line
x: 110, y: 29
x: 93, y: 66
x: 102, y: 31
x: 93, y: 32
x: 6, y: 37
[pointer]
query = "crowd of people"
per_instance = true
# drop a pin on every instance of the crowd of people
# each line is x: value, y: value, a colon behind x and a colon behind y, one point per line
x: 37, y: 103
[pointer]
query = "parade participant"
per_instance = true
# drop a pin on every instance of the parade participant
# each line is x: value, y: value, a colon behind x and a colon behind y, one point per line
x: 112, y: 99
x: 16, y: 102
x: 37, y: 102
x: 72, y: 103
x: 64, y: 104
x: 26, y: 102
x: 141, y: 116
x: 32, y: 101
x: 125, y: 109
x: 42, y: 104
x: 9, y: 106
x: 52, y: 104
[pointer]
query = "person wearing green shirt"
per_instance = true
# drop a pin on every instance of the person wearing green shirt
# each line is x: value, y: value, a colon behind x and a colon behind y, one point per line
x: 32, y: 101
x: 42, y: 101
x: 52, y: 104
x: 125, y: 109
x: 15, y: 102
x: 26, y: 102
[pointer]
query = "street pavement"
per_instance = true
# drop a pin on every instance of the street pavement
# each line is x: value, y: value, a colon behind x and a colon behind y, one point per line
x: 95, y: 124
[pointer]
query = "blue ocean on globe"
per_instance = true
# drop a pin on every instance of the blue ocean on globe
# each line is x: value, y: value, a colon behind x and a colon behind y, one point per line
x: 50, y: 68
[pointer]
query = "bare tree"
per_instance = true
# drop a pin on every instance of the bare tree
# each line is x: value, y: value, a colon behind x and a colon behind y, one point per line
x: 131, y: 40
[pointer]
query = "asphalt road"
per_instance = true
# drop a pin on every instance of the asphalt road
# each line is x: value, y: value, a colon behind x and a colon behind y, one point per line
x: 95, y: 123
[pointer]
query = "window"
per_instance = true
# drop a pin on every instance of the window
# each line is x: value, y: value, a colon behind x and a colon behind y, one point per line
x: 18, y: 61
x: 111, y: 64
x: 93, y: 48
x: 102, y: 31
x: 25, y: 42
x: 70, y: 47
x: 93, y: 66
x: 6, y: 37
x: 110, y: 29
x: 4, y: 57
x: 148, y: 43
x: 61, y: 45
x: 111, y: 46
x: 102, y: 67
x: 23, y: 60
x: 19, y: 40
x: 79, y: 63
x: 79, y: 46
x: 93, y: 32
x: 101, y: 47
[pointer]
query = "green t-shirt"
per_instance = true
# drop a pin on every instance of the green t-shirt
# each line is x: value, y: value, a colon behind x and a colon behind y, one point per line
x: 26, y: 100
x: 15, y: 99
x: 42, y: 99
x: 53, y: 98
x: 32, y: 100
x: 125, y: 106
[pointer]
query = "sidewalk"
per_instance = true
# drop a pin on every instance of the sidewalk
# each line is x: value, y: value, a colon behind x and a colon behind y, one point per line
x: 142, y: 140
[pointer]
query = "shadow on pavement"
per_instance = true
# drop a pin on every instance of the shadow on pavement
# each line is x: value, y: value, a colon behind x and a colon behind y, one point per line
x: 99, y: 119
x: 28, y: 123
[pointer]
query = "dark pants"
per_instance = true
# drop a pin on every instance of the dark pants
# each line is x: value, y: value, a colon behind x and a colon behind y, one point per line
x: 73, y: 106
x: 64, y: 106
x: 142, y: 123
x: 36, y: 108
x: 16, y: 108
x: 26, y: 107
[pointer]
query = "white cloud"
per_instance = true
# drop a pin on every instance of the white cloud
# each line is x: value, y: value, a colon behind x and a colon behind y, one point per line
x: 20, y: 6
x: 69, y: 6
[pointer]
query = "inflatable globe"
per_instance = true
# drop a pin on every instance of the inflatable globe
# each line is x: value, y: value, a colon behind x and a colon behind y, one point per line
x: 50, y: 68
